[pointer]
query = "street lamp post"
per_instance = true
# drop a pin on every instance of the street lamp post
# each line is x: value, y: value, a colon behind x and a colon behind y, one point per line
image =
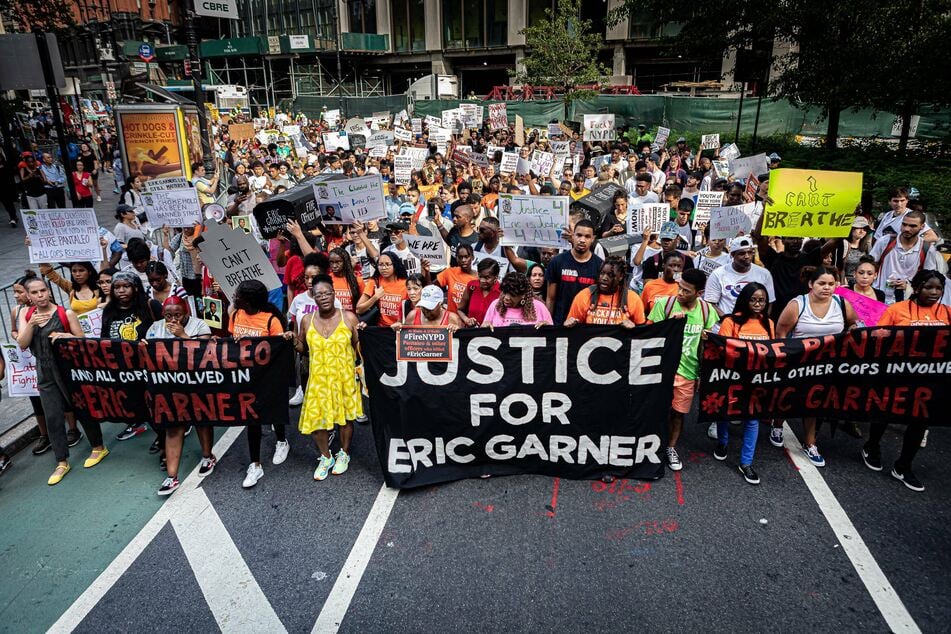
x: 191, y: 39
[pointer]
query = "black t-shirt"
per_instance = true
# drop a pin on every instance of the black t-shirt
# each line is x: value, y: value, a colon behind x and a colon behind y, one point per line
x: 128, y: 323
x: 786, y: 275
x: 454, y: 238
x: 653, y: 266
x: 571, y: 276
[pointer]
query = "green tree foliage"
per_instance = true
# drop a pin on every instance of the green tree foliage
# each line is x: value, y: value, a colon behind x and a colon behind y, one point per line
x: 562, y: 51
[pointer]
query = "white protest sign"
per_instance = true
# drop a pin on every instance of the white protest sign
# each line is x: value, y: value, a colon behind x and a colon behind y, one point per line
x: 729, y: 222
x: 554, y: 130
x: 471, y: 115
x: 492, y: 149
x: 259, y: 123
x: 384, y: 138
x: 401, y: 116
x: 377, y: 151
x: 478, y: 256
x: 650, y: 216
x: 523, y: 167
x: 336, y: 141
x: 332, y: 117
x: 417, y: 124
x: 660, y: 139
x: 402, y: 134
x: 291, y: 130
x: 418, y: 154
x: 498, y: 116
x: 403, y: 169
x: 161, y: 184
x: 912, y: 128
x: 729, y: 152
x: 709, y: 141
x: 175, y: 208
x: 91, y: 323
x: 62, y: 235
x: 432, y: 121
x: 743, y: 168
x: 598, y: 127
x: 233, y: 256
x: 509, y: 162
x: 439, y: 135
x: 705, y: 202
x: 21, y: 370
x: 451, y: 118
x: 429, y: 248
x: 342, y: 202
x: 722, y: 168
x: 533, y: 220
x: 542, y: 163
x: 356, y: 125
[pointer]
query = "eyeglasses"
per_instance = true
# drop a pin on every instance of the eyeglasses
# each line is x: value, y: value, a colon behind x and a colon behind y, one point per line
x: 324, y: 294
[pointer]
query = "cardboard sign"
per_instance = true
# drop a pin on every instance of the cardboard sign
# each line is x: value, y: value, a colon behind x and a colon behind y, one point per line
x: 91, y: 323
x: 598, y: 127
x: 542, y: 163
x: 498, y: 116
x: 519, y: 131
x: 429, y: 248
x: 504, y: 264
x: 21, y: 370
x: 380, y: 139
x: 403, y: 170
x: 418, y: 154
x: 705, y: 202
x: 402, y: 134
x: 743, y: 168
x: 332, y: 117
x: 729, y: 152
x: 509, y: 162
x: 233, y: 256
x: 533, y: 220
x: 660, y: 139
x: 709, y: 141
x: 345, y: 201
x: 241, y: 132
x: 289, y: 130
x: 722, y: 169
x: 424, y: 343
x: 471, y: 115
x: 174, y: 208
x: 334, y: 141
x: 357, y: 125
x: 62, y: 235
x: 554, y: 130
x: 650, y: 216
x: 163, y: 184
x: 433, y: 122
x: 812, y: 203
x: 728, y: 222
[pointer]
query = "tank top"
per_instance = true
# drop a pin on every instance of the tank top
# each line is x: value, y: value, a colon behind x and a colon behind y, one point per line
x: 418, y: 319
x: 809, y: 325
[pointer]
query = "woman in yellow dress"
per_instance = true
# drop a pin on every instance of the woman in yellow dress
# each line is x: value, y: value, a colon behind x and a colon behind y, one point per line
x: 332, y: 396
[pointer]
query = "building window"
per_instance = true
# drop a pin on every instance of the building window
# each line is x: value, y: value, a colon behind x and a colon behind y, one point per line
x: 536, y: 10
x: 474, y: 23
x: 409, y: 26
x: 362, y: 16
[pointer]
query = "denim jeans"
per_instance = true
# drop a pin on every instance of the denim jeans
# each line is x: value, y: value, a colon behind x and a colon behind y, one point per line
x: 750, y: 433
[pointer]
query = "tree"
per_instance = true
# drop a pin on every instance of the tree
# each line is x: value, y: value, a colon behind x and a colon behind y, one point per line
x: 563, y: 52
x: 39, y: 15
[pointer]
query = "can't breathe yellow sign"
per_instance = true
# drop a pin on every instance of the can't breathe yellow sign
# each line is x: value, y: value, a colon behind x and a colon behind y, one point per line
x: 812, y: 203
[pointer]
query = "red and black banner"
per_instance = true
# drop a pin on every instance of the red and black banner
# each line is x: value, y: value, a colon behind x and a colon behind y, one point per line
x: 895, y: 374
x: 175, y: 382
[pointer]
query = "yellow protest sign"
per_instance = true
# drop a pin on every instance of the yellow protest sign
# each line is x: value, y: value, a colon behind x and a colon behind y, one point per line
x: 812, y: 203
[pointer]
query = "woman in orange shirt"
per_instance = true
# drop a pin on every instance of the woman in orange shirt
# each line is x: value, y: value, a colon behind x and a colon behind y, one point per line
x: 347, y: 286
x: 386, y: 291
x: 456, y: 278
x: 748, y: 321
x: 666, y: 285
x: 923, y: 309
x: 252, y: 315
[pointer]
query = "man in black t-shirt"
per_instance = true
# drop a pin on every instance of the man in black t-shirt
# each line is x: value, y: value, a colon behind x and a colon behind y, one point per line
x: 571, y: 271
x: 462, y: 231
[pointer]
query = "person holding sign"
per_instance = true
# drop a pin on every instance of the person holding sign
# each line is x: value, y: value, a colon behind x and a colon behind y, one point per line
x: 516, y: 305
x: 83, y: 286
x: 610, y: 301
x: 332, y: 397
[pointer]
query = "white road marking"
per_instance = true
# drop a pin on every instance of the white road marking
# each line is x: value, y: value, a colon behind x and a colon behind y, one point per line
x: 338, y: 601
x: 893, y: 610
x: 84, y: 604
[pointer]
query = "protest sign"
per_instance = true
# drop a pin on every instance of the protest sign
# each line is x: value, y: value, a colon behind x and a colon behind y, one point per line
x: 241, y: 132
x: 660, y: 139
x: 290, y: 130
x: 533, y: 220
x: 402, y: 134
x: 433, y: 122
x: 176, y: 382
x: 504, y: 264
x: 91, y: 323
x: 709, y: 141
x: 705, y: 202
x: 356, y: 125
x: 542, y: 163
x: 344, y: 201
x: 886, y: 374
x: 401, y: 117
x: 598, y: 127
x: 523, y: 167
x: 743, y: 168
x: 332, y: 117
x: 420, y: 344
x: 868, y: 310
x: 471, y: 115
x: 212, y: 311
x: 384, y: 139
x: 62, y: 235
x: 729, y: 222
x: 297, y: 203
x: 439, y: 135
x: 378, y: 151
x: 259, y: 123
x: 650, y: 216
x: 429, y: 248
x: 21, y: 370
x: 569, y: 402
x: 498, y: 116
x: 729, y: 152
x: 519, y: 131
x: 451, y: 119
x: 509, y: 162
x: 417, y: 154
x: 417, y: 125
x: 812, y: 203
x: 480, y: 160
x: 336, y: 141
x: 174, y: 208
x: 554, y: 130
x: 403, y: 170
x: 233, y: 256
x: 722, y: 169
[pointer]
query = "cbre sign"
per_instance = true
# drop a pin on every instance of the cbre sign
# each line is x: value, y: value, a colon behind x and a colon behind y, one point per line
x: 217, y: 8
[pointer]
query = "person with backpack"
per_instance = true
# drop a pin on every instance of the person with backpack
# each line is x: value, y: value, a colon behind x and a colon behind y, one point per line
x: 700, y: 316
x: 610, y: 301
x: 818, y: 313
x: 901, y: 257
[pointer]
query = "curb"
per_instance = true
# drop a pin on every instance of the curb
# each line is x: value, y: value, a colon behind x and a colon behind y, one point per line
x: 20, y: 436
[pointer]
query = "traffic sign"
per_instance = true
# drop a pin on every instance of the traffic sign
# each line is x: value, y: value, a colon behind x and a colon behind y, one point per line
x: 146, y: 52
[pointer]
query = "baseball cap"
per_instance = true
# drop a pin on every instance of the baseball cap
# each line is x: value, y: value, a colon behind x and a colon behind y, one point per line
x: 774, y: 158
x: 655, y: 157
x: 740, y: 243
x: 407, y: 208
x: 681, y: 140
x: 641, y: 126
x: 668, y: 231
x: 398, y: 225
x: 860, y: 222
x: 431, y: 297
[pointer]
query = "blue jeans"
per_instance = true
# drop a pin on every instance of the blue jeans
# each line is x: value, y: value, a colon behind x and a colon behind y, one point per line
x: 750, y: 433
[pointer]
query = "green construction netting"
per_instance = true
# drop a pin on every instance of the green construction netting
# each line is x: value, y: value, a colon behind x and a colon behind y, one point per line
x: 534, y: 113
x: 352, y: 106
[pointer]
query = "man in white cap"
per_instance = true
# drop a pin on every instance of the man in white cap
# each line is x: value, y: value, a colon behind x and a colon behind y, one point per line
x: 430, y: 311
x: 726, y: 282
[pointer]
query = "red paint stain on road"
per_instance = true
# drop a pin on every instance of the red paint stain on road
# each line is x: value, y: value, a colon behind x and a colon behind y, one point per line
x: 488, y: 508
x: 554, y: 498
x: 647, y: 527
x: 792, y: 463
x: 679, y: 485
x: 619, y: 490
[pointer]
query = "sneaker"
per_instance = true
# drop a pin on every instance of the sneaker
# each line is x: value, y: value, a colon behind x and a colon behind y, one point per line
x: 323, y: 468
x: 131, y: 432
x: 207, y: 466
x: 776, y: 436
x: 712, y: 431
x: 42, y: 445
x: 872, y: 458
x: 73, y: 436
x: 14, y: 224
x: 281, y: 449
x: 748, y: 474
x: 720, y: 452
x: 155, y: 446
x: 255, y: 473
x: 98, y: 199
x: 341, y: 462
x: 168, y: 486
x: 812, y: 452
x: 924, y: 440
x: 297, y: 399
x: 908, y: 478
x: 363, y: 419
x: 673, y: 460
x: 5, y: 463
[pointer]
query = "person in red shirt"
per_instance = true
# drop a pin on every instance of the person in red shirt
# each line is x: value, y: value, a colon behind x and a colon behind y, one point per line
x: 480, y: 293
x: 82, y: 183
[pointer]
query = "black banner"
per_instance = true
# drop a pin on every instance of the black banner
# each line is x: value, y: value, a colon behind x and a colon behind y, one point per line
x: 174, y: 382
x: 577, y: 402
x: 885, y: 374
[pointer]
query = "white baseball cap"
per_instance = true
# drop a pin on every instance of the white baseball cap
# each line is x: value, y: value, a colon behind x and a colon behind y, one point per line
x: 432, y: 296
x: 741, y: 242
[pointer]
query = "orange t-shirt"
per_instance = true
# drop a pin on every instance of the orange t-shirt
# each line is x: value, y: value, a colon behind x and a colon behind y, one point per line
x: 752, y: 329
x: 658, y: 288
x: 455, y: 280
x: 909, y: 313
x: 391, y: 304
x: 342, y: 291
x: 609, y: 311
x: 262, y: 324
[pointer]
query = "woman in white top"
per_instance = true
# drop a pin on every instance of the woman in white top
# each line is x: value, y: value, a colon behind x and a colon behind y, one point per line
x: 816, y: 314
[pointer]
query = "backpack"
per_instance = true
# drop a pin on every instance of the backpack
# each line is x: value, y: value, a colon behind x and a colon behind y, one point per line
x: 595, y: 296
x: 671, y: 301
x: 60, y: 312
x: 922, y: 254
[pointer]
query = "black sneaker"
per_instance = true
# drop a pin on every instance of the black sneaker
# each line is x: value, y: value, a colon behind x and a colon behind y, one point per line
x: 207, y: 466
x: 363, y: 419
x: 42, y: 446
x: 131, y: 432
x: 748, y: 474
x: 720, y: 452
x: 155, y: 446
x: 872, y: 457
x: 908, y: 478
x: 168, y: 486
x: 73, y: 436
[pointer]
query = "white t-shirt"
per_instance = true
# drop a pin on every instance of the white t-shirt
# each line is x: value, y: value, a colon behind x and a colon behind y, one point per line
x: 411, y: 262
x: 637, y: 272
x: 304, y: 304
x: 193, y: 328
x: 707, y: 263
x: 901, y: 264
x: 890, y: 220
x: 636, y: 202
x: 725, y: 283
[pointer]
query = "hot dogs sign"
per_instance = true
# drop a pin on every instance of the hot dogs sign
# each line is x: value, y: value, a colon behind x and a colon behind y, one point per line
x: 154, y: 141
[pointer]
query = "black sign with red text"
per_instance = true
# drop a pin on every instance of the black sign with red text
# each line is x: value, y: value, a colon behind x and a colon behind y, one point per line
x: 175, y: 382
x: 885, y: 374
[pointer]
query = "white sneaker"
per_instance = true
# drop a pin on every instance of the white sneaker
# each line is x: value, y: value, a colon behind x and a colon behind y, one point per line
x: 924, y: 440
x: 99, y: 199
x: 281, y: 449
x: 297, y: 399
x: 712, y: 431
x: 255, y: 473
